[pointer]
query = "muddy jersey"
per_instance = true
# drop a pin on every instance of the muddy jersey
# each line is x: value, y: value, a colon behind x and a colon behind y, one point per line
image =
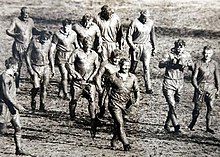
x: 176, y: 71
x: 139, y: 33
x: 206, y: 72
x: 92, y: 31
x: 39, y: 52
x: 109, y: 28
x: 64, y: 42
x: 121, y: 90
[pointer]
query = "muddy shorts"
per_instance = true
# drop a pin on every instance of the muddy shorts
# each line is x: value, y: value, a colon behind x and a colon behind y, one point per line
x: 5, y: 115
x: 143, y: 53
x: 107, y: 48
x: 62, y: 57
x: 42, y: 74
x: 86, y: 91
x: 208, y: 94
x: 19, y: 51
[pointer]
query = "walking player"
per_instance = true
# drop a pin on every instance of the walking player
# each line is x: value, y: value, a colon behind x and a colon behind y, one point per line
x: 87, y: 28
x: 206, y: 83
x: 175, y: 63
x: 9, y: 108
x: 141, y: 40
x: 111, y: 31
x: 21, y: 30
x: 64, y: 41
x: 83, y: 66
x: 122, y: 84
x: 39, y: 66
x: 106, y: 69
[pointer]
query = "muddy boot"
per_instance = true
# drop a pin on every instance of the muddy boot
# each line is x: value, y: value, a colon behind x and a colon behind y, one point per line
x: 93, y: 127
x: 210, y: 131
x: 66, y: 97
x: 127, y: 147
x: 167, y: 128
x: 33, y: 106
x: 72, y: 108
x: 20, y: 152
x: 177, y: 129
x: 42, y: 108
x: 133, y: 67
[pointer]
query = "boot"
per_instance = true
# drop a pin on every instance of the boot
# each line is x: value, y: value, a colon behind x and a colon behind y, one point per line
x: 42, y: 107
x: 20, y: 151
x: 167, y: 128
x: 210, y: 131
x: 133, y: 67
x: 127, y: 147
x: 93, y: 128
x: 72, y: 107
x: 177, y: 129
x: 33, y: 106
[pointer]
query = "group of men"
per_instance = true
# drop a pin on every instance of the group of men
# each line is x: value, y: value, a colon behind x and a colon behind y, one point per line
x: 90, y: 58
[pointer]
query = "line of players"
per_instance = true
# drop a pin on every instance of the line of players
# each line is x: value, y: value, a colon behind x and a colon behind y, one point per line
x: 90, y: 54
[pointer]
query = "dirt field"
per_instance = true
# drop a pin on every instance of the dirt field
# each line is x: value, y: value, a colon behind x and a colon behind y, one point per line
x: 53, y: 134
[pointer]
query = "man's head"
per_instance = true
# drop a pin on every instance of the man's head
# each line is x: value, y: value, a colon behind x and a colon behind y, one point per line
x: 207, y: 52
x: 24, y: 13
x: 179, y: 46
x: 11, y: 63
x: 144, y: 16
x: 106, y: 12
x: 124, y: 64
x: 67, y: 25
x: 86, y: 20
x: 44, y: 36
x: 115, y: 56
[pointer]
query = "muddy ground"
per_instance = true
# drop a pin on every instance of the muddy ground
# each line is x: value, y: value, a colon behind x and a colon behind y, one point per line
x: 53, y: 134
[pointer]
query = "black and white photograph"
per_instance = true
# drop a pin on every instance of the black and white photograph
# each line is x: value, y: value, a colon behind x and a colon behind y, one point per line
x: 110, y: 78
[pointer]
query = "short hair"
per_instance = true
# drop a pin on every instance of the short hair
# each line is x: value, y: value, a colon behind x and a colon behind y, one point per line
x: 123, y: 60
x: 179, y: 42
x: 23, y: 9
x: 205, y: 48
x: 86, y: 16
x: 104, y: 8
x: 66, y: 22
x: 10, y: 61
x: 116, y: 53
x: 145, y: 12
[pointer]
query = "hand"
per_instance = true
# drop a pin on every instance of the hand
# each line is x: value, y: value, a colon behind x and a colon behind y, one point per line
x: 78, y: 77
x: 199, y: 90
x: 99, y: 49
x: 217, y: 94
x: 52, y: 73
x: 153, y: 52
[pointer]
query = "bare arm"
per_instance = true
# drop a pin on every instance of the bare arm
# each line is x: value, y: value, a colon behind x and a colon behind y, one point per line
x: 52, y: 57
x: 98, y: 77
x: 153, y: 39
x: 164, y: 62
x: 194, y: 77
x: 216, y: 77
x: 10, y: 30
x: 96, y: 68
x: 136, y: 91
x: 129, y: 36
x: 28, y: 58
